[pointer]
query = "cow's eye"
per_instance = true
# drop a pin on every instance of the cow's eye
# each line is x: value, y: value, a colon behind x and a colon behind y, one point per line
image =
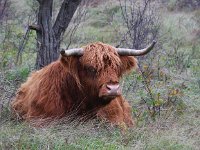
x: 91, y: 70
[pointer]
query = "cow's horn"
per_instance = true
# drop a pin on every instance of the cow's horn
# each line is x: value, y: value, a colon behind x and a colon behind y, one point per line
x: 133, y: 52
x: 72, y: 52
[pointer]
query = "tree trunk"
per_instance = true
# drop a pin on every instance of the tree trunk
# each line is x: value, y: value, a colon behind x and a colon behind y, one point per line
x: 48, y: 35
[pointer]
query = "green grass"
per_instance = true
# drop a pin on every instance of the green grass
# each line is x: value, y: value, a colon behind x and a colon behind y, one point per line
x: 172, y: 133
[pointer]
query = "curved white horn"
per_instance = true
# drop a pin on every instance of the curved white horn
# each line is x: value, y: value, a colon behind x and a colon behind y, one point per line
x: 72, y: 52
x: 133, y: 52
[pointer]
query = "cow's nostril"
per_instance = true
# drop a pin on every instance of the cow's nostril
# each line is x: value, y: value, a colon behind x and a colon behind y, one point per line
x: 113, y: 88
x: 108, y: 87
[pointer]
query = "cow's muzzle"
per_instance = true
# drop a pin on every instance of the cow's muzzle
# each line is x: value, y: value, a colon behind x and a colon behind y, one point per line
x: 109, y: 91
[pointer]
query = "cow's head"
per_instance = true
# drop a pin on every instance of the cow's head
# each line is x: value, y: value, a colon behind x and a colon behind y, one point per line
x: 99, y: 67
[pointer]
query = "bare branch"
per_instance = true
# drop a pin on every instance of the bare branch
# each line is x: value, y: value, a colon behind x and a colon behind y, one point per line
x: 64, y: 16
x: 79, y: 17
x: 5, y: 9
x: 23, y: 43
x: 141, y: 22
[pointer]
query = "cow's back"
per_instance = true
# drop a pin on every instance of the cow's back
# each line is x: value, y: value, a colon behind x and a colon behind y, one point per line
x: 40, y: 96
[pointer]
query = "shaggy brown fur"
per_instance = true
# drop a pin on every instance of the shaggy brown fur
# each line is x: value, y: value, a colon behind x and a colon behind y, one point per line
x: 74, y: 84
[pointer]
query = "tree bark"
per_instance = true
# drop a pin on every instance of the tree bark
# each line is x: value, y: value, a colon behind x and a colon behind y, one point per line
x: 48, y: 35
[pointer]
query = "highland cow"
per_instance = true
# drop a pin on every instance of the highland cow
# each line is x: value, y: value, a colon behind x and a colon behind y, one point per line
x: 84, y: 81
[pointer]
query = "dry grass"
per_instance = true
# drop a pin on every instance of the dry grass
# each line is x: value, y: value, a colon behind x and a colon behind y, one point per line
x: 173, y: 133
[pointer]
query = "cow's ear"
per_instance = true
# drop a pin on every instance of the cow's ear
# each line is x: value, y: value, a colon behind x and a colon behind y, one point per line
x: 128, y: 63
x: 69, y: 62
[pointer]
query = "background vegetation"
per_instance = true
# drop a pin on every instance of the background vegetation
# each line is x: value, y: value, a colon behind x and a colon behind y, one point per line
x: 164, y: 91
